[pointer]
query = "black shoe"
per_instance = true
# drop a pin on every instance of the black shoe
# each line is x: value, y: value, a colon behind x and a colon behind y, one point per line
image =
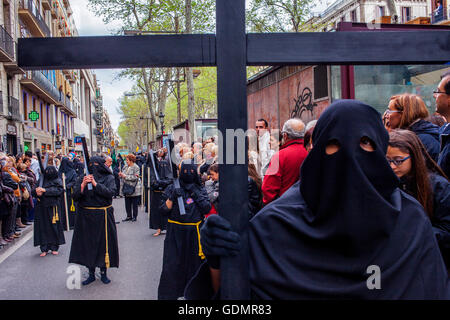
x: 104, y: 278
x: 89, y: 280
x: 134, y: 219
x: 127, y: 219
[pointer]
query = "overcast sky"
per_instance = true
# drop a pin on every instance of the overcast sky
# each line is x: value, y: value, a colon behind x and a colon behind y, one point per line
x: 90, y: 25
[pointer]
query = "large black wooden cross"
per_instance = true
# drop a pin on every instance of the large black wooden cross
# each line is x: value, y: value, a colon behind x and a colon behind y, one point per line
x: 231, y: 50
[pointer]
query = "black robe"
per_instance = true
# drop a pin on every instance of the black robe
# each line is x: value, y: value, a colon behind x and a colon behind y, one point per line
x: 346, y: 221
x: 67, y: 167
x: 48, y: 229
x: 157, y: 219
x: 89, y: 245
x: 182, y: 250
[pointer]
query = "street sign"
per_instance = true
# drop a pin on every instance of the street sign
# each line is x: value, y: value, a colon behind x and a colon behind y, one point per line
x: 33, y: 116
x: 57, y: 144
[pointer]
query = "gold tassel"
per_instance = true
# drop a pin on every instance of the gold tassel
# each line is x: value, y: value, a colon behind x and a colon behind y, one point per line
x: 107, y: 259
x: 57, y: 217
x: 106, y: 235
x: 54, y: 217
x: 72, y: 207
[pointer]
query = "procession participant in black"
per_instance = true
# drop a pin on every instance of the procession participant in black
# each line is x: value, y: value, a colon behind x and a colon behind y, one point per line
x: 67, y: 168
x: 182, y: 250
x: 78, y: 166
x: 94, y: 242
x: 345, y: 230
x: 48, y: 229
x: 158, y: 183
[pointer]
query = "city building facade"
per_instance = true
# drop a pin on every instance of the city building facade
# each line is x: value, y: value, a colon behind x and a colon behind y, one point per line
x: 43, y: 109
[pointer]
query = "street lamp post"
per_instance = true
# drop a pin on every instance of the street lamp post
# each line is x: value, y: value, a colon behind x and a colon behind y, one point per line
x: 161, y: 122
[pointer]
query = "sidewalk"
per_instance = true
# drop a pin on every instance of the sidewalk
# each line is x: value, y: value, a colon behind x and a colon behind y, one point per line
x: 12, y: 247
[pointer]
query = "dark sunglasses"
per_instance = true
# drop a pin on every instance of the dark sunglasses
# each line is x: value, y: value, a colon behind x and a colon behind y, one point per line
x: 397, y: 162
x: 437, y: 91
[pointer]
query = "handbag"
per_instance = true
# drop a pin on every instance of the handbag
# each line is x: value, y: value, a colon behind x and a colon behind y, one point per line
x: 128, y: 189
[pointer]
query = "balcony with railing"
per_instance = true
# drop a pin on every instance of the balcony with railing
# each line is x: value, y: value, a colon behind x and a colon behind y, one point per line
x: 46, y: 4
x: 13, y: 109
x: 37, y: 82
x: 6, y: 46
x: 29, y: 13
x: 440, y: 17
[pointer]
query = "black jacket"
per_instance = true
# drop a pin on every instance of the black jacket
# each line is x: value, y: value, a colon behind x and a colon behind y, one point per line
x: 254, y: 198
x: 429, y: 135
x: 441, y: 214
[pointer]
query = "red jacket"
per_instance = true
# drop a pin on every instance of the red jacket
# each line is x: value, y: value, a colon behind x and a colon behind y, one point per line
x: 284, y: 170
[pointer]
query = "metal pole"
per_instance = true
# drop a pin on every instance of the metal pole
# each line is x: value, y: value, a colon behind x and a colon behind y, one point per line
x: 65, y: 201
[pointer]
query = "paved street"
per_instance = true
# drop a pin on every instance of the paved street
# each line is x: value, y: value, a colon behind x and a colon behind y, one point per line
x: 26, y: 275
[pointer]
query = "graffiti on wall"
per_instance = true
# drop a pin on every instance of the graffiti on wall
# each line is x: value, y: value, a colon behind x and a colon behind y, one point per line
x: 303, y: 103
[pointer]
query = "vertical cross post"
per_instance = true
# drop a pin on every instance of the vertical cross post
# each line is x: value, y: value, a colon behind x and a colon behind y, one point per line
x: 231, y: 57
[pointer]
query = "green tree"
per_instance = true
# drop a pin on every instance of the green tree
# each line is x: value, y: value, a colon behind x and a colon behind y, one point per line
x: 153, y: 16
x: 278, y: 15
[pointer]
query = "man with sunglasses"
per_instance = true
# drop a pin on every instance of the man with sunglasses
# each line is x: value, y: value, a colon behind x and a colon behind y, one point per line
x: 442, y: 96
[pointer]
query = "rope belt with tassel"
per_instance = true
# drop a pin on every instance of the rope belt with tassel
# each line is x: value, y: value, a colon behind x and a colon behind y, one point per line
x: 55, y: 215
x: 106, y: 230
x: 197, y: 224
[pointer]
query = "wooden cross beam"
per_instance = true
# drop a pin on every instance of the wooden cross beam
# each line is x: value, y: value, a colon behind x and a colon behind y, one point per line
x: 231, y: 50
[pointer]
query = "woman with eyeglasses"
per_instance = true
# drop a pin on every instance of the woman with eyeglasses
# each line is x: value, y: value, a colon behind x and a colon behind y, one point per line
x: 408, y: 111
x: 423, y: 179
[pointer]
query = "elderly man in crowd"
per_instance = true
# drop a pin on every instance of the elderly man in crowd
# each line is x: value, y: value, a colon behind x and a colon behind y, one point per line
x: 284, y: 167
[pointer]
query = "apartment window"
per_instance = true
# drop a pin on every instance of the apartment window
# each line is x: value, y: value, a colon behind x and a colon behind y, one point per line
x: 320, y: 82
x: 25, y: 109
x: 41, y: 116
x: 381, y: 11
x: 406, y: 14
x: 354, y: 16
x: 48, y: 116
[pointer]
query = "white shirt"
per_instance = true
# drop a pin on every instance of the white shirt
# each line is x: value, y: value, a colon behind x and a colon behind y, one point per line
x: 264, y: 151
x: 35, y: 168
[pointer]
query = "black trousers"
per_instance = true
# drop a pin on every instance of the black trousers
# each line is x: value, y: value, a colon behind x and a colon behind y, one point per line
x: 47, y: 247
x: 131, y: 206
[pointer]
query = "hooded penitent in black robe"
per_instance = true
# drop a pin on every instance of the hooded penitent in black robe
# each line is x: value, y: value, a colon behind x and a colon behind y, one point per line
x: 95, y: 221
x: 48, y: 230
x: 182, y: 250
x: 67, y: 167
x: 158, y: 220
x: 79, y: 167
x: 346, y: 218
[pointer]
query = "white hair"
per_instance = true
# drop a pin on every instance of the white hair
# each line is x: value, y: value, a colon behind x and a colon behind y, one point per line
x: 291, y: 132
x: 310, y: 124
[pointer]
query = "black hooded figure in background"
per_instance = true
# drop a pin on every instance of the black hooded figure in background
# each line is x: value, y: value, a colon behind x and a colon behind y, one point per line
x: 158, y: 220
x: 78, y: 166
x: 182, y: 250
x: 48, y: 230
x: 345, y: 231
x: 67, y: 167
x: 94, y: 242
